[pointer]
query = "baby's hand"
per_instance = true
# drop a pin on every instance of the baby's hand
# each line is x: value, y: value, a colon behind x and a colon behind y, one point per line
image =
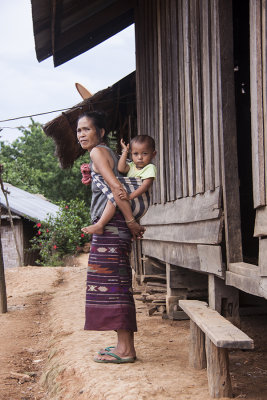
x: 124, y: 146
x: 123, y: 195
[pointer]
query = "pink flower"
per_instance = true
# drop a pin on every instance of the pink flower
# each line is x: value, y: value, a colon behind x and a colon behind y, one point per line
x: 39, y: 233
x: 82, y: 234
x: 66, y: 207
x: 47, y: 230
x: 38, y: 225
x: 55, y: 246
x: 86, y: 173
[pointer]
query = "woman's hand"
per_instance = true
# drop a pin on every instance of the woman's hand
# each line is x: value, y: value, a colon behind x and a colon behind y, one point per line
x: 137, y: 230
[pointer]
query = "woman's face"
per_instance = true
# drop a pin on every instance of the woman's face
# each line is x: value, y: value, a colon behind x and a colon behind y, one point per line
x: 87, y: 134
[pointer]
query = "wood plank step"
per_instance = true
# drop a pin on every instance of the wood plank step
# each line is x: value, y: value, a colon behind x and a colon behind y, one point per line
x: 219, y: 330
x: 256, y: 286
x: 245, y: 269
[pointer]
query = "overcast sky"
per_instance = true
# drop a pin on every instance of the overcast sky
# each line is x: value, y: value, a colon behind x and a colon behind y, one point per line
x: 29, y: 87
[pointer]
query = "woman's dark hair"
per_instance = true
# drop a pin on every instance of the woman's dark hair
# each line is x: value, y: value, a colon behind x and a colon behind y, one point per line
x: 99, y: 121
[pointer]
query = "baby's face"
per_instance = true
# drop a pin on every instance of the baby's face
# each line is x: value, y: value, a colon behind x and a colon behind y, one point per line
x: 142, y: 154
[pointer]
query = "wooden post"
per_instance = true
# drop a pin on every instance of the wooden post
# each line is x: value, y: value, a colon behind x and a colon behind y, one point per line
x: 224, y: 299
x: 218, y: 371
x: 3, y: 299
x: 10, y: 217
x: 197, y: 355
x: 174, y: 293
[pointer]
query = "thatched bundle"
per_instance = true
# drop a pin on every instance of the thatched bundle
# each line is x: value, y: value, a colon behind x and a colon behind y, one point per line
x: 119, y: 104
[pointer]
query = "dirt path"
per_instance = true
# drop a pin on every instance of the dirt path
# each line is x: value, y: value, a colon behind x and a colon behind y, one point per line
x: 45, y: 353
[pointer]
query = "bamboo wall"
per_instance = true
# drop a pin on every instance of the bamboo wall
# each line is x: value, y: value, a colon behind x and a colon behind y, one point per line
x: 184, y: 54
x: 178, y: 95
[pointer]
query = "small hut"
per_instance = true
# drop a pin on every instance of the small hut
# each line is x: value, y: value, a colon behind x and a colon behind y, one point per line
x: 26, y: 210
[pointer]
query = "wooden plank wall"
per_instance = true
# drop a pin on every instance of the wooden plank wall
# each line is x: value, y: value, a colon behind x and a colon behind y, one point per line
x: 177, y: 93
x: 179, y: 104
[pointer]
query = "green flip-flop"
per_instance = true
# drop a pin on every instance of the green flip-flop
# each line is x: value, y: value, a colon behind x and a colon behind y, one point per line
x: 117, y: 359
x: 109, y: 348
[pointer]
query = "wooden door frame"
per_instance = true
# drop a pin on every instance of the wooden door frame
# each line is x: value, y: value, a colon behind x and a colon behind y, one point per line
x: 228, y: 135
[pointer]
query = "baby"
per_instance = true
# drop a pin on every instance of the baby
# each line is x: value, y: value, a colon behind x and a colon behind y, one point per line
x: 142, y: 148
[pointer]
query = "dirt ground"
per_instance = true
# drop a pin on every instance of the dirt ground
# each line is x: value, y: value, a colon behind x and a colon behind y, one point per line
x: 45, y: 353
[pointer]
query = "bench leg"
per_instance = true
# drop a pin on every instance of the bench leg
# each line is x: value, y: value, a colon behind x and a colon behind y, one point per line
x: 218, y: 371
x: 197, y: 355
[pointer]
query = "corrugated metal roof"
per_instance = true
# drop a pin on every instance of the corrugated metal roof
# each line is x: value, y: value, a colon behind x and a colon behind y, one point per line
x: 28, y: 205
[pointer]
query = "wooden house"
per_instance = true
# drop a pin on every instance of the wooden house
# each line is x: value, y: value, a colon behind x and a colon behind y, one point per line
x: 26, y: 209
x: 201, y: 93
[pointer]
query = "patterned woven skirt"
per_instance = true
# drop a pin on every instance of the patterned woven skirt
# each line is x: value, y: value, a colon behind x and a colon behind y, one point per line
x: 109, y: 296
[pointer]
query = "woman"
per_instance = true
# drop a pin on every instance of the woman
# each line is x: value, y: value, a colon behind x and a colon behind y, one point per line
x: 109, y: 298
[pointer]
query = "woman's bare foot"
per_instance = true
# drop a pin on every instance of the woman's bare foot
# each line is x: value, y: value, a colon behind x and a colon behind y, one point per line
x: 98, y: 229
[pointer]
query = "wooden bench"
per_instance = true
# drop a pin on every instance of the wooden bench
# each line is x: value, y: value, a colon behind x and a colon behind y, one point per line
x: 211, y: 332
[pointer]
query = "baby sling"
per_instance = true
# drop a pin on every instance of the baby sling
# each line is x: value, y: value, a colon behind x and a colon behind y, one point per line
x: 139, y: 205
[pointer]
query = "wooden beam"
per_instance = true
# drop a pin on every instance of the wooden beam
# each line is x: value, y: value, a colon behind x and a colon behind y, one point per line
x: 260, y: 228
x: 198, y: 208
x: 184, y: 255
x: 256, y: 103
x: 264, y: 83
x: 263, y: 256
x: 211, y: 259
x: 201, y: 232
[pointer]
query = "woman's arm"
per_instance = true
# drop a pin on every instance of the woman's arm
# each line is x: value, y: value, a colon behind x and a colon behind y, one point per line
x: 102, y: 163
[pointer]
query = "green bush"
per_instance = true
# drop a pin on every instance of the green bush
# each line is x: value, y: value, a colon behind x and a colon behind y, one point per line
x: 30, y: 164
x: 61, y: 235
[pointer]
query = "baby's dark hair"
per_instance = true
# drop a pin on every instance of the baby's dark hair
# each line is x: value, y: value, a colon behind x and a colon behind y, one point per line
x: 99, y: 121
x: 143, y: 139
